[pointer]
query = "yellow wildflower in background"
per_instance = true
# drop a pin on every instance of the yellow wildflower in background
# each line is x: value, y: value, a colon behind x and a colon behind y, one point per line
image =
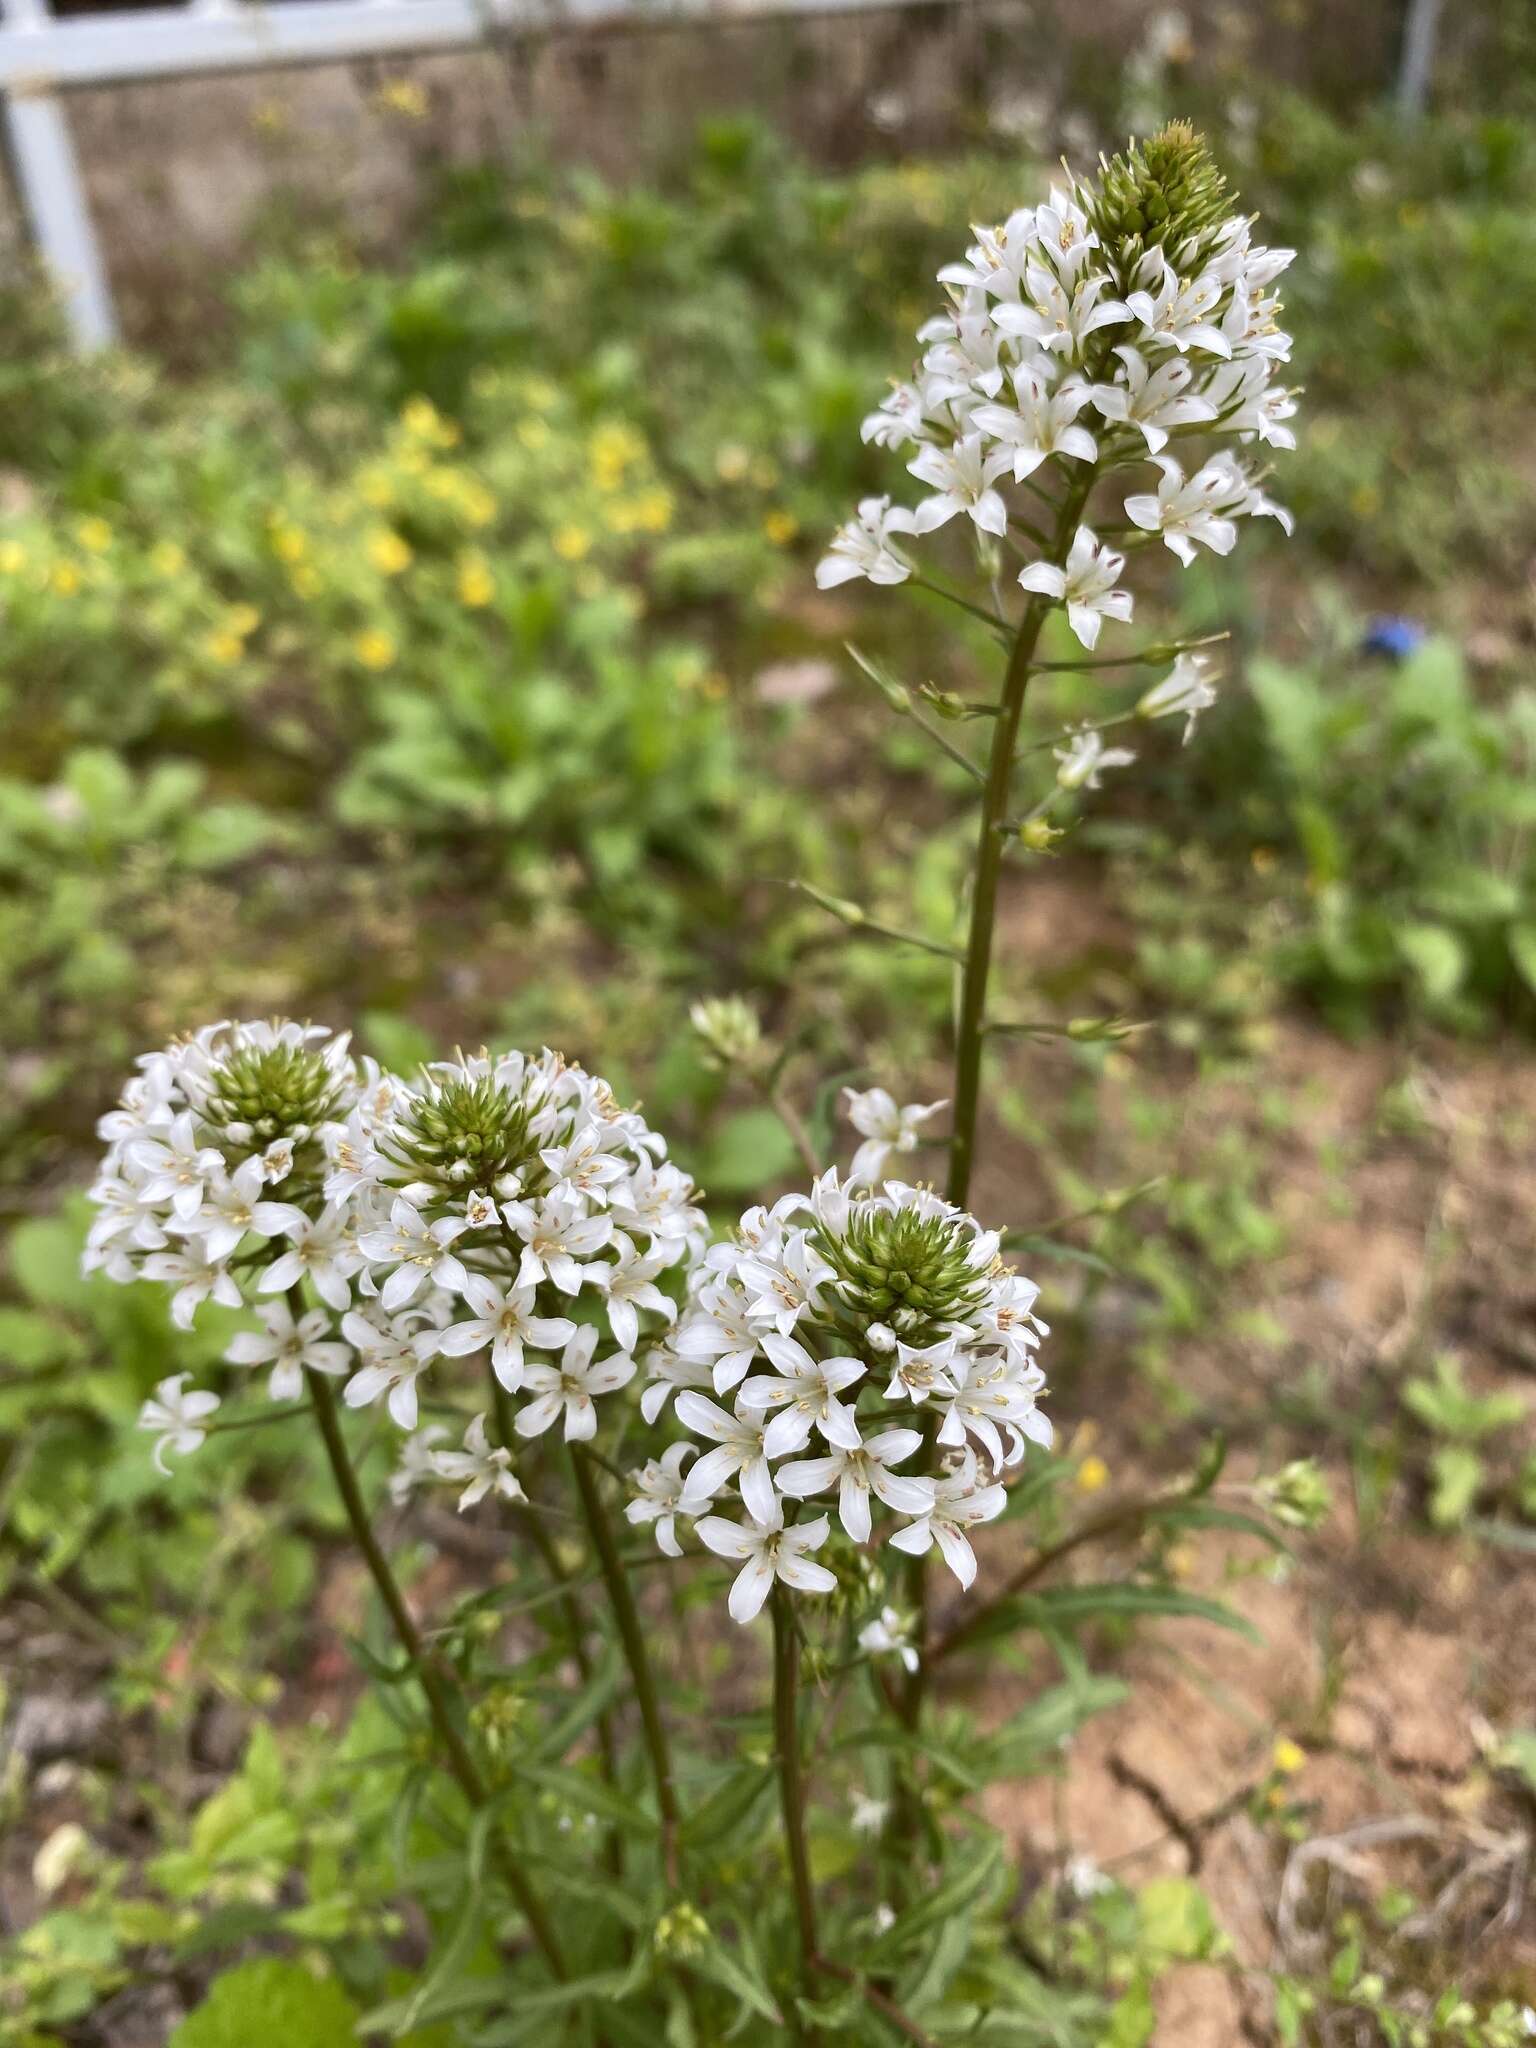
x: 65, y: 579
x: 403, y: 96
x: 421, y: 418
x: 94, y: 533
x: 389, y: 553
x: 1288, y: 1757
x: 167, y: 558
x: 13, y: 558
x: 374, y: 648
x: 1092, y: 1474
x: 613, y: 448
x: 780, y: 526
x: 223, y: 647
x: 571, y: 542
x: 289, y: 543
x: 475, y: 584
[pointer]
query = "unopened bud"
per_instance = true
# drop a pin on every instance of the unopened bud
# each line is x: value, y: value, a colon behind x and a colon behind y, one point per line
x: 681, y: 1931
x: 1092, y: 1030
x: 730, y: 1031
x: 945, y: 702
x: 1039, y: 835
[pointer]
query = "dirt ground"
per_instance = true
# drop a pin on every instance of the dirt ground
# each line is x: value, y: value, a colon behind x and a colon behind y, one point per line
x: 1389, y: 1653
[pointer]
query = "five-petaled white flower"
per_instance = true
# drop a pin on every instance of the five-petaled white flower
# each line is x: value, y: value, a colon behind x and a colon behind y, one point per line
x: 629, y: 1282
x: 290, y: 1348
x: 1040, y: 423
x: 485, y: 1467
x: 885, y: 1128
x: 1188, y: 689
x: 557, y: 1236
x: 1185, y: 511
x: 739, y: 1454
x: 768, y: 1552
x: 505, y: 1319
x: 571, y: 1387
x: 418, y: 1250
x: 804, y: 1396
x: 395, y: 1360
x: 233, y: 1206
x: 1086, y: 586
x: 659, y: 1489
x: 195, y: 1278
x: 961, y: 481
x: 1153, y: 401
x: 859, y: 1473
x: 180, y: 1417
x: 889, y: 1635
x: 863, y: 547
x: 324, y: 1248
x: 1083, y: 758
x: 958, y: 1505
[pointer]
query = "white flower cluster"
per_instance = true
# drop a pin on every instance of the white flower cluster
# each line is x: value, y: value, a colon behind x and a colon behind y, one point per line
x: 502, y: 1206
x: 1102, y: 330
x: 849, y: 1329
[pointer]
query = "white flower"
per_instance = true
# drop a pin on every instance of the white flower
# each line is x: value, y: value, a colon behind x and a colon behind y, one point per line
x: 782, y: 1287
x: 863, y: 546
x: 396, y: 1359
x: 1197, y: 510
x: 857, y: 1474
x: 630, y: 1285
x: 1040, y: 422
x: 805, y: 1397
x: 289, y: 1347
x: 177, y: 1166
x: 416, y: 1465
x: 504, y: 1319
x: 867, y: 1815
x: 195, y: 1278
x: 889, y: 1635
x: 179, y: 1417
x: 571, y: 1388
x: 1181, y: 312
x: 586, y: 1166
x: 995, y: 1403
x: 325, y: 1250
x: 658, y: 1202
x: 739, y: 1454
x: 1057, y: 319
x: 722, y: 1334
x: 769, y: 1553
x: 923, y: 1370
x: 1086, y: 585
x: 901, y: 418
x: 961, y: 479
x: 958, y: 1505
x: 1084, y: 757
x: 659, y: 1488
x: 232, y: 1207
x: 667, y: 1370
x: 885, y: 1128
x: 486, y: 1467
x: 557, y: 1236
x: 1188, y: 689
x: 1153, y: 401
x: 1084, y: 1879
x: 417, y: 1250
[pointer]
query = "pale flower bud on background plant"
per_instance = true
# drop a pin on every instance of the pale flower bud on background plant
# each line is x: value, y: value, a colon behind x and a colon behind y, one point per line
x: 730, y: 1031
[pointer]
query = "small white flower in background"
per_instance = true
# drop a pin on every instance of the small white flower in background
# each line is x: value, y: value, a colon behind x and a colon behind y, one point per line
x: 768, y: 1553
x: 959, y: 1503
x: 884, y: 1918
x: 1084, y: 757
x: 179, y: 1417
x: 1188, y: 689
x: 867, y: 1815
x: 885, y: 1128
x: 482, y: 1466
x: 1084, y: 1879
x: 504, y: 1319
x: 1086, y: 586
x: 570, y: 1389
x: 863, y: 547
x: 417, y: 1463
x: 889, y: 1635
x: 289, y: 1347
x: 659, y: 1486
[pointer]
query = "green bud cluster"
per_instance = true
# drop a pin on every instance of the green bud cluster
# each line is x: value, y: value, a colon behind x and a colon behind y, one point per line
x: 274, y: 1090
x: 1157, y: 194
x: 682, y: 1931
x: 459, y: 1133
x: 908, y: 1271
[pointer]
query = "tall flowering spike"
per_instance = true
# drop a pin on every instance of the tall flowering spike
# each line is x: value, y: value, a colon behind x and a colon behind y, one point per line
x: 1127, y: 321
x: 813, y: 1322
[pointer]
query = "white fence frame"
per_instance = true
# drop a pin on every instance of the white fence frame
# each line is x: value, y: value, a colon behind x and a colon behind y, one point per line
x: 41, y: 57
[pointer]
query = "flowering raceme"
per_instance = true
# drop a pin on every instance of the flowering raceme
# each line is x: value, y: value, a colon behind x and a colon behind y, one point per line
x: 505, y: 1207
x: 1126, y: 321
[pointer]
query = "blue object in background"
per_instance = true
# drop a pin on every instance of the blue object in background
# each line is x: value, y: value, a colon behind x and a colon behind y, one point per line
x: 1394, y: 637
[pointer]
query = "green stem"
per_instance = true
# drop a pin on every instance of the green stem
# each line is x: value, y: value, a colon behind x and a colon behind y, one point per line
x: 786, y: 1742
x: 570, y: 1612
x: 970, y: 1030
x: 632, y: 1635
x: 437, y: 1687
